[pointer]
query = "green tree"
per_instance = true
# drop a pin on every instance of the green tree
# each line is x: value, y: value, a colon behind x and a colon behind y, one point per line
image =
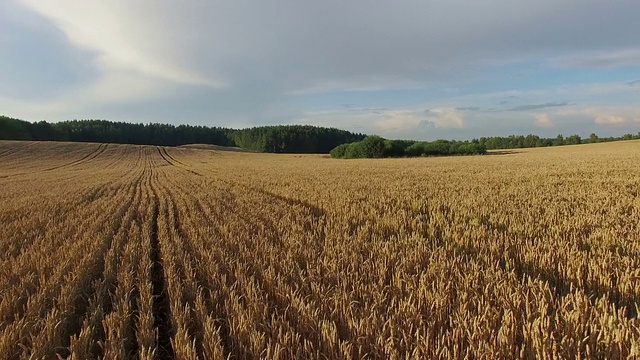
x: 340, y: 151
x: 393, y: 148
x: 14, y: 129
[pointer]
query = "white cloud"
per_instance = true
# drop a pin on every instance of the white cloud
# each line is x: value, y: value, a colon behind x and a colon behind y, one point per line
x: 121, y: 87
x: 448, y: 118
x: 406, y: 120
x: 329, y: 45
x: 126, y: 36
x: 544, y: 121
x: 610, y: 119
x: 276, y: 61
x: 398, y: 121
x: 606, y: 115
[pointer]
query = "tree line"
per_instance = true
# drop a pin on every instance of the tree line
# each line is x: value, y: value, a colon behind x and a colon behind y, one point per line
x: 377, y: 147
x: 292, y: 138
x: 521, y: 141
x: 277, y: 139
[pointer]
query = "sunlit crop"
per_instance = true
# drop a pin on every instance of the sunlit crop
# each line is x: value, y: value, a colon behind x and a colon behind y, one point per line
x: 122, y: 251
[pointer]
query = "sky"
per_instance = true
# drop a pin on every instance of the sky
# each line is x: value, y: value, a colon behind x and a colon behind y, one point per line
x: 402, y: 69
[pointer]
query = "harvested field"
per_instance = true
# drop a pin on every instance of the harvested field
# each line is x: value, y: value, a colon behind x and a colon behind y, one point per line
x: 122, y: 251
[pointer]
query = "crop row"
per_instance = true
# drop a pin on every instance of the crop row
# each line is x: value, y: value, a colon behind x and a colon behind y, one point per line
x: 125, y: 251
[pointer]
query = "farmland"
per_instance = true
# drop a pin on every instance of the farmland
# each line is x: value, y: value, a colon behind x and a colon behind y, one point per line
x: 123, y: 251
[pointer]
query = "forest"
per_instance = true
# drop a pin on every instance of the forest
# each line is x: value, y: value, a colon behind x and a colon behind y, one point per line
x: 273, y: 139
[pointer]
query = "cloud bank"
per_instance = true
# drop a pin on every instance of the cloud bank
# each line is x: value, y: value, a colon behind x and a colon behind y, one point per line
x: 544, y: 121
x: 252, y: 63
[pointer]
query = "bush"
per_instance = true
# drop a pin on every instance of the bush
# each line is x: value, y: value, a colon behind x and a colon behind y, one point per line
x: 417, y: 149
x: 438, y: 147
x: 339, y: 151
x: 377, y: 147
x: 370, y: 147
x: 393, y: 148
x: 464, y: 148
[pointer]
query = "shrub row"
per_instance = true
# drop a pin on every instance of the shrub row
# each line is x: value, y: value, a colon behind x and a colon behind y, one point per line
x: 377, y: 147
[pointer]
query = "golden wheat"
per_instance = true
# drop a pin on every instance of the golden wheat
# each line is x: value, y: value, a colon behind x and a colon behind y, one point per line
x: 121, y: 251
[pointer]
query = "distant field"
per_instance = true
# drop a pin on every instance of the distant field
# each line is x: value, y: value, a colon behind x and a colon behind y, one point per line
x: 214, y: 147
x: 122, y: 251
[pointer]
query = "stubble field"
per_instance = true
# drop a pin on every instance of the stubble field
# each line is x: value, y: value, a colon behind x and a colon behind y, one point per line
x: 122, y: 251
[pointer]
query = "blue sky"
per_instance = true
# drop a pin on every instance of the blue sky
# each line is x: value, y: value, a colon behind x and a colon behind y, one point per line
x: 401, y: 69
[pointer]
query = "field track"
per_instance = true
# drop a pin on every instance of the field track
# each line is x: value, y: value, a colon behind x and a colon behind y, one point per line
x: 120, y: 251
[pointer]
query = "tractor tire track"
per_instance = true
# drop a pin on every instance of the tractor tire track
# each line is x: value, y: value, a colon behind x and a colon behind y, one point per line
x: 172, y: 158
x: 101, y: 148
x: 164, y: 157
x: 8, y: 152
x: 17, y: 149
x: 106, y: 284
x: 203, y: 280
x: 14, y: 175
x: 126, y: 216
x: 24, y: 252
x: 84, y: 288
x: 161, y: 302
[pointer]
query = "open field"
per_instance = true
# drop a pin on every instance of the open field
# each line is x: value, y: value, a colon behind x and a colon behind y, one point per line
x: 121, y: 251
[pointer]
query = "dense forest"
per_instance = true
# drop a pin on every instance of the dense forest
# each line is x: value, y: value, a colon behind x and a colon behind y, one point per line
x: 279, y: 139
x: 292, y: 138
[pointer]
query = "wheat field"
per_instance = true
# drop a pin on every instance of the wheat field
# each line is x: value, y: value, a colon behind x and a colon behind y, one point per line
x: 121, y: 251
